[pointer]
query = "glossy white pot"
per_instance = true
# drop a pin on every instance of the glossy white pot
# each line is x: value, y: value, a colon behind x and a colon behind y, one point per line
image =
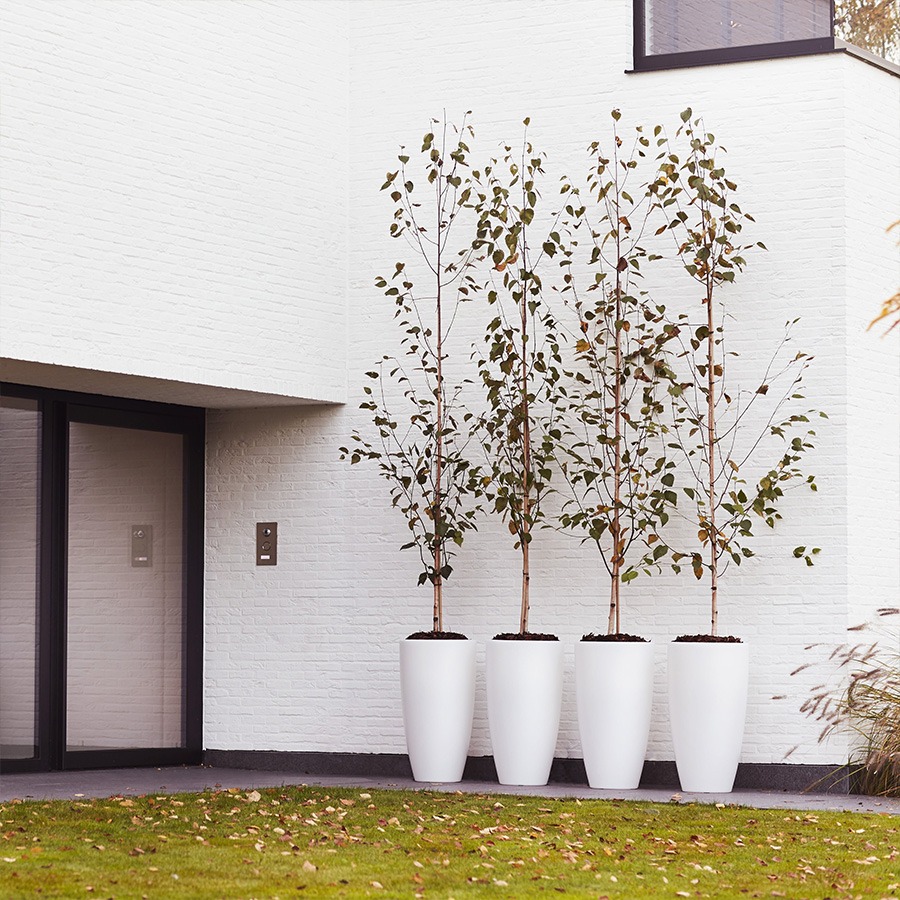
x: 524, y: 698
x: 707, y: 708
x: 614, y: 689
x: 437, y: 686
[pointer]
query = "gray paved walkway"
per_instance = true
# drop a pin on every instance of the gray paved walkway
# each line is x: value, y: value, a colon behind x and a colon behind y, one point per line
x: 111, y: 782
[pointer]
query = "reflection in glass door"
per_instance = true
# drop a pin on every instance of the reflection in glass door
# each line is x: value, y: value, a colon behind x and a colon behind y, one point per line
x: 20, y: 442
x: 101, y: 581
x: 125, y: 589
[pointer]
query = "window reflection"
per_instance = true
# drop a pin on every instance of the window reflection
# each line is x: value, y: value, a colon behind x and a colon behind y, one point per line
x: 19, y: 490
x: 685, y: 26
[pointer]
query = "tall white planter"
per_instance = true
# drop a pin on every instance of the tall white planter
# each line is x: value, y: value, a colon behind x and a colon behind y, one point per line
x: 707, y: 707
x: 524, y: 697
x: 614, y: 688
x: 437, y: 686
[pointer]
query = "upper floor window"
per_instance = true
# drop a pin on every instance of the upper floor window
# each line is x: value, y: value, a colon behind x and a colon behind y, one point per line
x: 672, y: 33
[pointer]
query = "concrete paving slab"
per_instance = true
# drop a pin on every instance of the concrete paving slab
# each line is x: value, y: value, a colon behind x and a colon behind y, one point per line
x: 124, y: 782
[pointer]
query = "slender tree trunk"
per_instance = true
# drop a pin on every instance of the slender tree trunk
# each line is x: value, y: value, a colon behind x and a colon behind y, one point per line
x: 711, y: 449
x: 526, y: 465
x: 613, y: 623
x: 526, y: 585
x: 438, y: 619
x: 615, y: 608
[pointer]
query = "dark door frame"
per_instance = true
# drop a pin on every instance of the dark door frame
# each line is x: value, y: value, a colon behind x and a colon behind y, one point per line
x: 57, y: 409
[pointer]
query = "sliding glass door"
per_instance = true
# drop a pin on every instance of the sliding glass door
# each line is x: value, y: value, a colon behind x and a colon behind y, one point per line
x: 125, y: 620
x: 101, y: 597
x: 20, y: 446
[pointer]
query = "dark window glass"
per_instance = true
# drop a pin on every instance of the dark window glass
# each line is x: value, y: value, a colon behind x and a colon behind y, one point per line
x: 20, y: 439
x: 681, y: 26
x: 125, y: 589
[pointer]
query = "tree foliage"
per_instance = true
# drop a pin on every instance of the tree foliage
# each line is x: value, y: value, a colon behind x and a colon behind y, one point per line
x: 520, y: 365
x: 423, y: 450
x: 873, y: 25
x: 614, y: 462
x: 890, y: 309
x: 712, y: 433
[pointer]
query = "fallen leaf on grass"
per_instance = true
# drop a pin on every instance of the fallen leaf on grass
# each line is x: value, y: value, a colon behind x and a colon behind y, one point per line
x: 309, y: 867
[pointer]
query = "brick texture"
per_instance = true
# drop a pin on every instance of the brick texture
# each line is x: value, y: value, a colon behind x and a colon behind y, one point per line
x: 192, y: 192
x: 173, y: 190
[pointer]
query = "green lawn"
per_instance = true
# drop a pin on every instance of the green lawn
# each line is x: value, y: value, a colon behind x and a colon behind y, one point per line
x: 318, y: 842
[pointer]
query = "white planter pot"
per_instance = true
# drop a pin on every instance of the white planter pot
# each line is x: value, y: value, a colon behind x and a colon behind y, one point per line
x: 437, y: 686
x: 524, y: 698
x: 707, y: 707
x: 614, y: 687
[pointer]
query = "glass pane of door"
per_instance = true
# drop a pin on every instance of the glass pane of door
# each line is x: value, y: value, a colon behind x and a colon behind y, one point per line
x: 125, y: 589
x: 20, y: 437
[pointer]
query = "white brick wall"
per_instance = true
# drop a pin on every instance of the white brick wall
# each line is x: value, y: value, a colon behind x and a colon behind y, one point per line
x: 239, y: 172
x: 173, y: 191
x: 316, y: 635
x: 872, y: 203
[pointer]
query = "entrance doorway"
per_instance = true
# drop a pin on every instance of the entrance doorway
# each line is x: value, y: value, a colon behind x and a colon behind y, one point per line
x: 101, y: 518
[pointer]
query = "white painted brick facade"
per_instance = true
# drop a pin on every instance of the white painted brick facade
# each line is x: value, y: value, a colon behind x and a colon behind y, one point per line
x: 872, y: 109
x: 173, y: 191
x: 302, y: 656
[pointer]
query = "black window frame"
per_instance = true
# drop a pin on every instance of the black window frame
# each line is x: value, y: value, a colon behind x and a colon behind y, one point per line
x: 717, y: 55
x: 57, y: 409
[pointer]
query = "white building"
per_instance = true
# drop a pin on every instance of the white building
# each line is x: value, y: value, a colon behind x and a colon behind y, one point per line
x: 191, y: 227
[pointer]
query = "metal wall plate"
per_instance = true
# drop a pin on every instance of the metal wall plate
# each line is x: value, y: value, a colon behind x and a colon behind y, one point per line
x: 267, y: 543
x: 141, y: 546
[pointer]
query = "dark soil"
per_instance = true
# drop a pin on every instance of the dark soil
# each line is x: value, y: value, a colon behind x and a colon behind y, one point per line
x: 707, y: 639
x: 525, y: 636
x: 625, y: 638
x: 437, y: 636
